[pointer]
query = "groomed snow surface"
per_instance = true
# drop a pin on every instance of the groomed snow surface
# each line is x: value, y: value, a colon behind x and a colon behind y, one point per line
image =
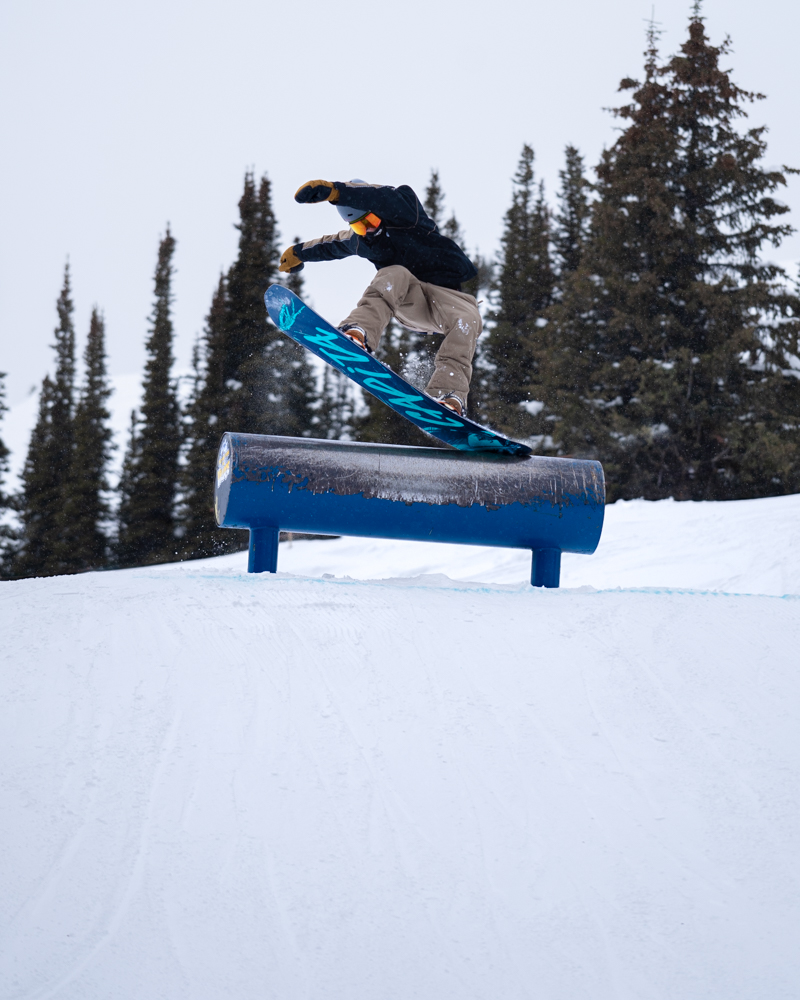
x: 413, y: 777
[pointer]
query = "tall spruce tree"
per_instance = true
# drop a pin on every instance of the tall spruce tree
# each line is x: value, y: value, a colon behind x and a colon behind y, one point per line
x: 4, y: 452
x: 127, y: 487
x: 270, y: 381
x: 146, y: 530
x: 230, y: 382
x: 206, y: 420
x: 434, y: 199
x: 38, y: 502
x: 48, y: 464
x: 6, y: 506
x: 83, y: 542
x: 251, y: 377
x: 571, y: 221
x: 673, y: 334
x: 516, y: 344
x: 434, y: 205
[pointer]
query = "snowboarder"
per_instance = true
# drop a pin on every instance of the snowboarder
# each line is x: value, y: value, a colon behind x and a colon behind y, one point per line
x: 420, y: 273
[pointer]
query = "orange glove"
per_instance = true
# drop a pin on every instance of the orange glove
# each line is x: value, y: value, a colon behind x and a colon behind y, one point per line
x: 290, y: 262
x: 315, y: 191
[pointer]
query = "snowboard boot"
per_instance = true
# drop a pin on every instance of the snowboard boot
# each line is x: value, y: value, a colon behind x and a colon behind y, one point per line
x: 453, y: 402
x: 357, y: 335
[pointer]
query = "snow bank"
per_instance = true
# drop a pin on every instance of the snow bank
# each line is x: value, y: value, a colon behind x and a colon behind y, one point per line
x: 745, y: 546
x: 218, y: 786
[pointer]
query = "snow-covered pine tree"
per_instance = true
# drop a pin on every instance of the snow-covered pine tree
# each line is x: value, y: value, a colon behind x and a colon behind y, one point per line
x: 674, y: 338
x: 83, y: 542
x: 516, y: 342
x: 48, y: 464
x: 146, y: 531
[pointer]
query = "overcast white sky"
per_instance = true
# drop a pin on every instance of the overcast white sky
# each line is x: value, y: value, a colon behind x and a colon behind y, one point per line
x: 119, y: 117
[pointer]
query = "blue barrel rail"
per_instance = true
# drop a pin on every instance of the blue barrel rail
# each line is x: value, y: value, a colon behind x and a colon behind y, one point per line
x: 267, y: 484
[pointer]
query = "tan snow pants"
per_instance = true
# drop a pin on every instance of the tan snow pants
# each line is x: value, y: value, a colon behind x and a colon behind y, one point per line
x: 418, y: 305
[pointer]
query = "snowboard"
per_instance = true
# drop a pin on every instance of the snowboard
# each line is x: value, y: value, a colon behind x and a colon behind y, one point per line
x: 293, y: 316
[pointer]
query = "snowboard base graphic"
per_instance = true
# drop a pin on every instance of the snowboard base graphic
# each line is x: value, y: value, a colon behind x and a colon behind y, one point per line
x: 292, y: 315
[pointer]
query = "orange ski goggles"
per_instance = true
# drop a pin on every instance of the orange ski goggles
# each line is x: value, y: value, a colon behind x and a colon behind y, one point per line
x: 359, y: 227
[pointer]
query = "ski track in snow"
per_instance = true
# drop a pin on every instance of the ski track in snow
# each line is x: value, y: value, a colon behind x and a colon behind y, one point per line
x: 217, y: 785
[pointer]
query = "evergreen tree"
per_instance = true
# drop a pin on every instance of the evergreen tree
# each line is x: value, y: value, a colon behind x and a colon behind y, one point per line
x: 146, y: 516
x: 6, y: 506
x: 434, y: 199
x: 4, y: 452
x: 230, y: 374
x: 516, y: 344
x: 199, y: 533
x: 48, y: 464
x: 674, y: 337
x: 434, y: 205
x: 571, y: 221
x: 83, y: 542
x: 250, y: 376
x: 38, y: 501
x: 270, y: 381
x: 127, y: 490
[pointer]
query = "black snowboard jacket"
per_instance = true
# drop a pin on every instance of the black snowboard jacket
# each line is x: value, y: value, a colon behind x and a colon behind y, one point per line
x: 407, y: 236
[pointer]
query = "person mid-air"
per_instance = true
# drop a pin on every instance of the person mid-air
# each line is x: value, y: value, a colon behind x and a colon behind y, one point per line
x: 420, y: 273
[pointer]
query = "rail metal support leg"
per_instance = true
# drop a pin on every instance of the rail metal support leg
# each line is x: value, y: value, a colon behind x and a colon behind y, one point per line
x: 546, y: 568
x: 263, y: 550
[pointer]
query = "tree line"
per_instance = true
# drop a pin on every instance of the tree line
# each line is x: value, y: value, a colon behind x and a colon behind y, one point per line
x: 636, y: 322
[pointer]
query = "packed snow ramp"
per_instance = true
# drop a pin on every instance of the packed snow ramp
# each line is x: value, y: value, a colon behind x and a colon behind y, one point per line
x: 222, y: 786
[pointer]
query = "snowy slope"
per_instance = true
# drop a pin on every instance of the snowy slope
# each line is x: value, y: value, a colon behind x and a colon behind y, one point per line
x: 745, y: 546
x: 217, y: 786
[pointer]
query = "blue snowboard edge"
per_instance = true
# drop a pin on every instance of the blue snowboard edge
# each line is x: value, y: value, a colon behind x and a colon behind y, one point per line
x: 293, y: 316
